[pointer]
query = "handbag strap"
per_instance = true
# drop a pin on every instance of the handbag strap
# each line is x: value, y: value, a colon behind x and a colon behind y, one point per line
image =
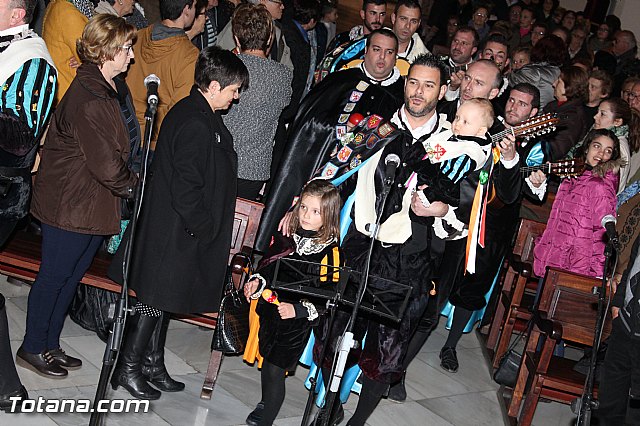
x: 520, y: 336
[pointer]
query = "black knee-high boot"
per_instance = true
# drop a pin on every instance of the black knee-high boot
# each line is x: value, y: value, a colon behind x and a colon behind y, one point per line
x: 153, y: 367
x: 128, y: 371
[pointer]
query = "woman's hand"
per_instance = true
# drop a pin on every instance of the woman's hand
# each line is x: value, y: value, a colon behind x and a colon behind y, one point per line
x: 283, y: 226
x: 537, y: 178
x: 73, y: 62
x: 250, y: 287
x: 286, y: 310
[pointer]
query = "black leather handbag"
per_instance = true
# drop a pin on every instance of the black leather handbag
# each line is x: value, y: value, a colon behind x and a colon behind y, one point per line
x: 232, y: 329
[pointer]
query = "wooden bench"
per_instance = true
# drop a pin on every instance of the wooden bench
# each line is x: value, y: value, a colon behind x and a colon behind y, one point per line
x: 20, y: 258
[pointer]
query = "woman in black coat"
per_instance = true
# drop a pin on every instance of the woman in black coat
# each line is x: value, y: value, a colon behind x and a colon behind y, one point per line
x: 184, y: 235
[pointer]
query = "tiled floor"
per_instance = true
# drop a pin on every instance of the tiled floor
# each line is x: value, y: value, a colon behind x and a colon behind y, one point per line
x: 435, y: 397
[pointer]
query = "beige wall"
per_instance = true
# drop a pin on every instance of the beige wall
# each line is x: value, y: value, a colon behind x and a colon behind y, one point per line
x: 629, y: 13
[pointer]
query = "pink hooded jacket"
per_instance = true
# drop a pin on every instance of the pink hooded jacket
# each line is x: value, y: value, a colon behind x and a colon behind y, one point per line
x: 574, y: 238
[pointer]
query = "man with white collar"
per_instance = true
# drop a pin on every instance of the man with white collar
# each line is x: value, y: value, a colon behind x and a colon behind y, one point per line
x: 398, y: 255
x: 27, y: 82
x: 406, y: 21
x: 373, y: 88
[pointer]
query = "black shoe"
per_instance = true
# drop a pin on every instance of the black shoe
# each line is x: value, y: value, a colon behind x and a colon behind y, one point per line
x: 6, y: 403
x: 128, y: 371
x: 254, y: 417
x: 153, y: 367
x: 449, y: 359
x: 65, y: 360
x: 42, y: 363
x: 397, y: 392
x: 337, y: 415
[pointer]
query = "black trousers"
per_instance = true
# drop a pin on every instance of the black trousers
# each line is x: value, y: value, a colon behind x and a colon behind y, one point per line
x: 620, y: 374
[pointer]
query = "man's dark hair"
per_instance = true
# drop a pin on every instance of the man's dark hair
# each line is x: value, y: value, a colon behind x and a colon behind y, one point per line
x: 467, y: 29
x: 430, y: 61
x: 172, y: 9
x: 529, y: 89
x: 223, y: 66
x: 27, y: 5
x: 306, y: 10
x: 411, y: 4
x: 327, y: 7
x: 541, y: 24
x: 376, y: 2
x: 382, y: 31
x: 530, y: 9
x: 496, y: 38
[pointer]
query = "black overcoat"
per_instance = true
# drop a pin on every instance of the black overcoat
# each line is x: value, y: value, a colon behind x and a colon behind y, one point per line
x: 182, y: 242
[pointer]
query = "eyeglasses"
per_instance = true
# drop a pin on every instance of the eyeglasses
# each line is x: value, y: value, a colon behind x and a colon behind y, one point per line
x: 128, y: 48
x: 540, y: 33
x: 482, y: 15
x: 632, y: 96
x: 276, y: 1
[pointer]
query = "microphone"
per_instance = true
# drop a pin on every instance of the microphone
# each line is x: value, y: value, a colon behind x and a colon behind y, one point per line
x: 609, y: 224
x: 151, y: 82
x: 392, y: 161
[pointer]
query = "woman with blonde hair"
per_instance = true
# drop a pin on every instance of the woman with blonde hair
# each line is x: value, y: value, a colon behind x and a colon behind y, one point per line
x: 82, y: 177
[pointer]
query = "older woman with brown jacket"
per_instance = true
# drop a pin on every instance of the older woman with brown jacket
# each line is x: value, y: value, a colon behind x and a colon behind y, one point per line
x: 82, y: 176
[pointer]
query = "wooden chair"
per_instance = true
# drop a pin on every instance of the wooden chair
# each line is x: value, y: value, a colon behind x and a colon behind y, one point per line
x: 567, y: 310
x: 520, y: 271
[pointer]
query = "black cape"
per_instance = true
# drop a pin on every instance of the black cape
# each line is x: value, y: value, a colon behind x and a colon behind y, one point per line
x: 312, y: 136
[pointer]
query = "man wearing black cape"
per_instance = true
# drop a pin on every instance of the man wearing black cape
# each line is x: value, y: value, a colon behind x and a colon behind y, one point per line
x: 375, y: 87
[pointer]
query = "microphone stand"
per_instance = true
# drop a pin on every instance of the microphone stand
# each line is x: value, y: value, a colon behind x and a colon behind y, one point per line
x: 114, y: 342
x: 347, y: 341
x: 587, y: 403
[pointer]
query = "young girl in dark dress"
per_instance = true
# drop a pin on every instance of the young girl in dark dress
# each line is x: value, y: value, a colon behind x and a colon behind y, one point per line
x: 286, y: 319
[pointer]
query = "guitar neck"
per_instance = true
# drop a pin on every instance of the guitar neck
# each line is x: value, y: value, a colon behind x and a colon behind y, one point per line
x: 527, y: 170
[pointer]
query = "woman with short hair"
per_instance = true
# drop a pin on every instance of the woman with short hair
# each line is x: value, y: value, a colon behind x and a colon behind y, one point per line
x: 183, y: 238
x: 269, y: 93
x: 82, y: 177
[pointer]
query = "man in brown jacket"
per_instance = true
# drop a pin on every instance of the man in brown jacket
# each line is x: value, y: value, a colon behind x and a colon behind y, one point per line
x: 165, y: 50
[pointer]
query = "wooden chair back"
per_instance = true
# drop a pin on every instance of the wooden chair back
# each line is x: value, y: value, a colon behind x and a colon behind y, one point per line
x: 567, y: 311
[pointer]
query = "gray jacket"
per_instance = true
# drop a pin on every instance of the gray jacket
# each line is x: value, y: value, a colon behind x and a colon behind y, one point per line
x: 542, y: 75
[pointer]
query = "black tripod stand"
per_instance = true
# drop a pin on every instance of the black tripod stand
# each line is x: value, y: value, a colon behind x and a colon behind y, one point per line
x: 116, y: 333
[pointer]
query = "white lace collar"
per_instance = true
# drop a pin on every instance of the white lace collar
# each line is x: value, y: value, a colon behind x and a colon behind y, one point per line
x: 310, y: 245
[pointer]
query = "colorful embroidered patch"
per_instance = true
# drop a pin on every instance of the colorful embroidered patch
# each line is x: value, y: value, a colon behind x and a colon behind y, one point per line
x: 357, y: 140
x: 373, y: 121
x: 372, y: 140
x: 362, y: 86
x: 324, y: 74
x: 347, y: 139
x: 343, y: 118
x: 349, y: 107
x: 385, y: 129
x: 329, y: 170
x: 355, y: 96
x: 355, y: 162
x: 341, y: 131
x: 484, y: 177
x: 344, y: 154
x: 438, y: 152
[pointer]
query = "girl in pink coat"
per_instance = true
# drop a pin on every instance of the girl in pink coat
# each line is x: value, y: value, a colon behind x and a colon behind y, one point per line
x: 574, y: 239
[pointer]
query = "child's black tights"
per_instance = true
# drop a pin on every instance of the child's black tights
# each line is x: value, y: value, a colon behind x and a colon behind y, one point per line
x: 273, y: 390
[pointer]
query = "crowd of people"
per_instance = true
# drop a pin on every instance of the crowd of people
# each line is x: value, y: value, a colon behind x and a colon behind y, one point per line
x: 265, y: 100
